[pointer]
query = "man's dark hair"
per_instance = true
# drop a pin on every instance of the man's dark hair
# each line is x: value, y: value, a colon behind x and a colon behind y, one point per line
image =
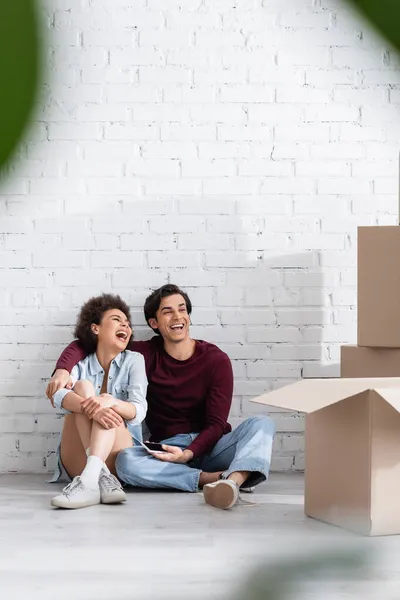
x: 92, y: 312
x: 153, y: 301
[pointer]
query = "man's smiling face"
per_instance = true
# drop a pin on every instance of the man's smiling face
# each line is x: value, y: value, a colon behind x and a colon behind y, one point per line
x: 172, y: 319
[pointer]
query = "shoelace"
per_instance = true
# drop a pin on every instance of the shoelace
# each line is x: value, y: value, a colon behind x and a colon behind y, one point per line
x: 110, y: 482
x: 73, y: 487
x: 245, y: 502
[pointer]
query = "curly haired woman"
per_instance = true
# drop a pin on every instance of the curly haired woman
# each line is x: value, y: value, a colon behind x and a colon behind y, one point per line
x: 104, y: 405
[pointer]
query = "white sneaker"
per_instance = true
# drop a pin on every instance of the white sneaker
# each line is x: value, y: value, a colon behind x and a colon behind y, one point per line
x: 76, y: 495
x: 111, y: 491
x: 224, y: 493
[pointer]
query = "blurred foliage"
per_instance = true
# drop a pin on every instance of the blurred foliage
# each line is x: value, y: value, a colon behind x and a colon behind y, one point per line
x: 20, y: 66
x: 282, y: 580
x: 384, y: 15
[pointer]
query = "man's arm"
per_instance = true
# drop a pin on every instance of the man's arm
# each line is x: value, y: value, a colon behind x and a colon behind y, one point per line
x: 218, y: 405
x: 69, y: 357
x: 66, y: 362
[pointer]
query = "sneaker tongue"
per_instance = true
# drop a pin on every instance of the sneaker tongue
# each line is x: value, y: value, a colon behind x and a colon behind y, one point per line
x: 73, y: 487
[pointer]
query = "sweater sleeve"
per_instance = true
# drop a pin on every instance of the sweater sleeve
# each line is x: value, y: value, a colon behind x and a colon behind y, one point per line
x: 218, y: 405
x: 71, y: 356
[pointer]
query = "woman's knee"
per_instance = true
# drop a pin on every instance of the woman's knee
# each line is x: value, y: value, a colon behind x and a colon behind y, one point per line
x: 84, y: 388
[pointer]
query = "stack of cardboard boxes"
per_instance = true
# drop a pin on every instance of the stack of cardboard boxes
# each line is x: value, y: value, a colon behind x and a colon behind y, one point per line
x: 352, y: 461
x: 377, y: 353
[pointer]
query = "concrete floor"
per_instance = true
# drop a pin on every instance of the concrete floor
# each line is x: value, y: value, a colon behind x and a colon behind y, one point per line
x: 171, y: 545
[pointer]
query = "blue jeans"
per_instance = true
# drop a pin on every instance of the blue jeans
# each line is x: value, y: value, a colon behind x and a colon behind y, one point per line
x: 246, y: 448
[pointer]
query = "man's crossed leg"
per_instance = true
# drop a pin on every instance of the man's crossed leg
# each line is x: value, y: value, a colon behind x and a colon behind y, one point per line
x: 240, y: 458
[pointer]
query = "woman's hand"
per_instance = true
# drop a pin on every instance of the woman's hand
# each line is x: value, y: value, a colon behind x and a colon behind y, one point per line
x: 108, y: 418
x: 92, y: 405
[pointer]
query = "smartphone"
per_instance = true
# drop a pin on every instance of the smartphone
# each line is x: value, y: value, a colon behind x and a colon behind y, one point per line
x: 154, y: 446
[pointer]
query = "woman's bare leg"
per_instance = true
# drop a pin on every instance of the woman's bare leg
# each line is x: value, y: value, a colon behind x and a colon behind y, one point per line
x: 75, y: 439
x: 79, y: 434
x: 122, y: 440
x: 73, y: 455
x: 85, y: 389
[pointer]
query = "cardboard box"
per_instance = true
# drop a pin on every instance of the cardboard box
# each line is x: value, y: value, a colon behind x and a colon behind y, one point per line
x: 352, y: 457
x: 379, y: 286
x: 358, y: 361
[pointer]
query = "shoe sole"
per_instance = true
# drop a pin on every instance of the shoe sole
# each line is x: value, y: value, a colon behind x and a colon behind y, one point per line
x: 220, y: 495
x: 115, y: 499
x: 71, y: 505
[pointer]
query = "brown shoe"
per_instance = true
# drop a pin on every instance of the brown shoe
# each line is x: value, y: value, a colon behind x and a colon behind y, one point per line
x: 221, y: 494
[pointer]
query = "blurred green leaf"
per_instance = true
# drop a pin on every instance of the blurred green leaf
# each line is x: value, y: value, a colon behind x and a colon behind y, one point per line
x: 384, y: 15
x: 19, y: 70
x: 281, y: 581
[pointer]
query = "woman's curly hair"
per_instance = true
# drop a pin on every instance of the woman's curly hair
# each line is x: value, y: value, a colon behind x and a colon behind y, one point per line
x: 92, y: 312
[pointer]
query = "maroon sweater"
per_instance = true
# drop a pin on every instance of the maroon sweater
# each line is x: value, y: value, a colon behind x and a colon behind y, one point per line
x: 184, y: 396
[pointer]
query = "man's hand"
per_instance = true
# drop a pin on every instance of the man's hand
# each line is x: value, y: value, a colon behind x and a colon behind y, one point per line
x: 174, y: 454
x: 108, y: 418
x: 94, y: 404
x: 61, y: 379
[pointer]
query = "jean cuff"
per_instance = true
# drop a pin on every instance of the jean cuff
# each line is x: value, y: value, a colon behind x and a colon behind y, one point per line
x: 256, y: 475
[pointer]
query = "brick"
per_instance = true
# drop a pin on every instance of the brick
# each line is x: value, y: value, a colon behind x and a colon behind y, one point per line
x: 213, y: 168
x: 172, y: 259
x: 317, y: 168
x: 172, y: 187
x: 232, y: 186
x: 60, y: 259
x: 177, y: 224
x: 264, y: 369
x: 115, y: 259
x: 189, y: 93
x: 177, y: 132
x: 264, y: 241
x: 233, y: 224
x: 129, y: 131
x: 230, y: 296
x: 197, y: 277
x: 247, y: 93
x: 271, y: 334
x: 247, y: 316
x: 302, y: 316
x: 258, y: 296
x: 187, y: 150
x: 220, y: 149
x: 74, y: 131
x: 154, y: 168
x: 132, y: 94
x: 160, y: 112
x: 303, y: 94
x: 244, y: 133
x: 206, y: 206
x: 119, y: 224
x: 147, y: 242
x: 232, y: 259
x: 148, y: 207
x: 203, y: 241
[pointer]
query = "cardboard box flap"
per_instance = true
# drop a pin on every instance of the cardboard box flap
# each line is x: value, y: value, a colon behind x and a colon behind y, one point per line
x: 310, y: 395
x: 391, y: 395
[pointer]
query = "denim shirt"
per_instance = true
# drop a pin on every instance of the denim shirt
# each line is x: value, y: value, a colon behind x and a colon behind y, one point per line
x: 126, y: 381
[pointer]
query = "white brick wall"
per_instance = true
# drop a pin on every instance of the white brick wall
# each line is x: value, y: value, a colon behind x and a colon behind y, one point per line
x: 229, y: 146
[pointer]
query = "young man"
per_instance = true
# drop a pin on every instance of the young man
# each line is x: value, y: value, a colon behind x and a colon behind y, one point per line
x: 189, y: 395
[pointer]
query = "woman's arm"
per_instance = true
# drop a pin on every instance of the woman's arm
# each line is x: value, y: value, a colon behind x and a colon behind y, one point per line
x: 134, y: 410
x: 126, y: 410
x: 71, y: 403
